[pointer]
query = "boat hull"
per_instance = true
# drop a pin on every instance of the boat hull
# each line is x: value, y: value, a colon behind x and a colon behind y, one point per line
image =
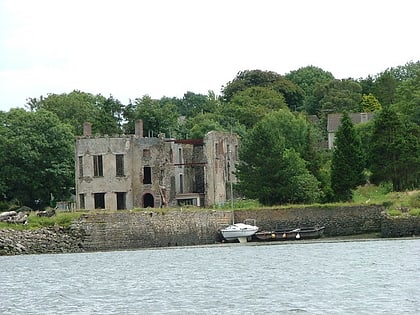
x: 290, y: 234
x: 238, y: 231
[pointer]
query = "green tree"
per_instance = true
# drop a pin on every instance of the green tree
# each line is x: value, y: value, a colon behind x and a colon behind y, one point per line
x: 339, y: 96
x: 271, y: 168
x: 395, y: 150
x: 198, y: 126
x: 293, y: 94
x: 347, y: 162
x: 408, y: 99
x: 367, y: 84
x: 78, y: 107
x: 109, y: 119
x: 74, y: 108
x: 37, y: 157
x: 308, y: 79
x: 369, y: 103
x: 157, y: 118
x: 385, y: 87
x: 193, y: 104
x: 250, y: 105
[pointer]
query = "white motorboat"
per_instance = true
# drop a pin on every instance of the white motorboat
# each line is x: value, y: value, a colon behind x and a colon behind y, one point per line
x: 239, y: 231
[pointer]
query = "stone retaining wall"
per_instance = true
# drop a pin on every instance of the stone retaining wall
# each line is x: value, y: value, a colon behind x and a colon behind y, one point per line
x: 400, y: 226
x: 338, y: 221
x: 128, y: 230
x: 107, y: 230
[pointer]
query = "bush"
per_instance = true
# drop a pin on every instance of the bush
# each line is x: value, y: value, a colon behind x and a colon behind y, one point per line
x: 414, y: 200
x: 387, y: 204
x: 415, y: 212
x: 4, y: 205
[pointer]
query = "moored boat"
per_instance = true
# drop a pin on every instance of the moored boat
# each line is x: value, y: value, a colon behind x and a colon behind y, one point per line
x: 238, y: 231
x: 290, y: 234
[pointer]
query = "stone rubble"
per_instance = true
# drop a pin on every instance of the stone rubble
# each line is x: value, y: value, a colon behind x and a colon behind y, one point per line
x: 41, y: 241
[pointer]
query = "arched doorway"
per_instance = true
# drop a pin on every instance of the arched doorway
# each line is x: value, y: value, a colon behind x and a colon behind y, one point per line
x: 148, y: 201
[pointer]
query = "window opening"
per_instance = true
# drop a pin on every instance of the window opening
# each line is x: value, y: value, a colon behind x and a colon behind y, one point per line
x: 121, y: 196
x: 98, y: 167
x: 119, y: 163
x: 80, y: 166
x: 99, y: 200
x: 181, y: 183
x: 180, y: 156
x: 82, y: 201
x: 147, y: 175
x: 146, y: 153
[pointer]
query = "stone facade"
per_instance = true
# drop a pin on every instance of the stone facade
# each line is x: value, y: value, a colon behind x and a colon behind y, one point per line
x: 132, y: 171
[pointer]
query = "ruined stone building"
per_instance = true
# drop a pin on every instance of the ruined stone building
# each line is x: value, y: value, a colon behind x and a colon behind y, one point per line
x: 133, y: 171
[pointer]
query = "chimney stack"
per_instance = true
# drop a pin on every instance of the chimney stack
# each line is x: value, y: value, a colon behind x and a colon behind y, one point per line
x: 139, y: 128
x: 87, y: 129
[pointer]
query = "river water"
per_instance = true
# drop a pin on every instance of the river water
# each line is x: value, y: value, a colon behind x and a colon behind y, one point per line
x: 302, y: 277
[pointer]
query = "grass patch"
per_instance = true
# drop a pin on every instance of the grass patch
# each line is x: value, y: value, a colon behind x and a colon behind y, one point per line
x: 240, y: 204
x: 63, y: 219
x: 371, y: 194
x: 394, y: 212
x: 415, y: 212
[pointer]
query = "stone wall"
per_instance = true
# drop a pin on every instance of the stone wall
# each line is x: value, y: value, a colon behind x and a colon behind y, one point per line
x: 400, y: 226
x: 129, y: 230
x: 338, y: 221
x: 116, y: 230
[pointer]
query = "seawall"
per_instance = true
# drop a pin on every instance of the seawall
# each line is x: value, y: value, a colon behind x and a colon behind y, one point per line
x: 105, y: 230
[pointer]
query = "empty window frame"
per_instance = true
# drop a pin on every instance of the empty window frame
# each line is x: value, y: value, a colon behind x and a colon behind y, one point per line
x: 80, y: 166
x: 179, y: 156
x: 82, y: 201
x: 147, y: 175
x: 98, y: 167
x: 181, y: 183
x: 146, y: 153
x: 119, y: 164
x: 121, y: 196
x: 99, y: 200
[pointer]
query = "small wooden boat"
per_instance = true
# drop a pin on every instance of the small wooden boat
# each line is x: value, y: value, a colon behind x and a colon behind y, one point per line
x: 283, y: 234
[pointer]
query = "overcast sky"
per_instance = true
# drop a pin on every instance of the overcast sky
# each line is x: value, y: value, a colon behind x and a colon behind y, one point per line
x: 168, y: 47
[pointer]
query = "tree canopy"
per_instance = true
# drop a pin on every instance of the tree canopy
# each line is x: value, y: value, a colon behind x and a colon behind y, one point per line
x: 395, y: 150
x: 272, y: 169
x: 308, y: 79
x: 292, y: 93
x: 37, y: 157
x: 347, y: 159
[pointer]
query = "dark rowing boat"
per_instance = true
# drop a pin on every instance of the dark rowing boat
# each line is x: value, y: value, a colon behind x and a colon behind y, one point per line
x: 284, y: 234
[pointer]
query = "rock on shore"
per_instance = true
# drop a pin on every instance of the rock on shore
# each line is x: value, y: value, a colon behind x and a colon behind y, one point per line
x: 40, y: 241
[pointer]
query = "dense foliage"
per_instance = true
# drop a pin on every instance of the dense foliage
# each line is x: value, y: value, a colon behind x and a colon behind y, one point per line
x: 283, y: 158
x: 347, y: 162
x: 272, y: 169
x: 37, y: 157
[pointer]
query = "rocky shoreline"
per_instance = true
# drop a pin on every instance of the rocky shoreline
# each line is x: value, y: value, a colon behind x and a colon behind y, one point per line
x: 41, y: 241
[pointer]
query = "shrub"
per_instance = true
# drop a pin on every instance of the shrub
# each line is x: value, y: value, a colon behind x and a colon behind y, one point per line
x: 414, y: 200
x: 415, y: 212
x: 387, y: 204
x: 4, y: 205
x: 394, y: 212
